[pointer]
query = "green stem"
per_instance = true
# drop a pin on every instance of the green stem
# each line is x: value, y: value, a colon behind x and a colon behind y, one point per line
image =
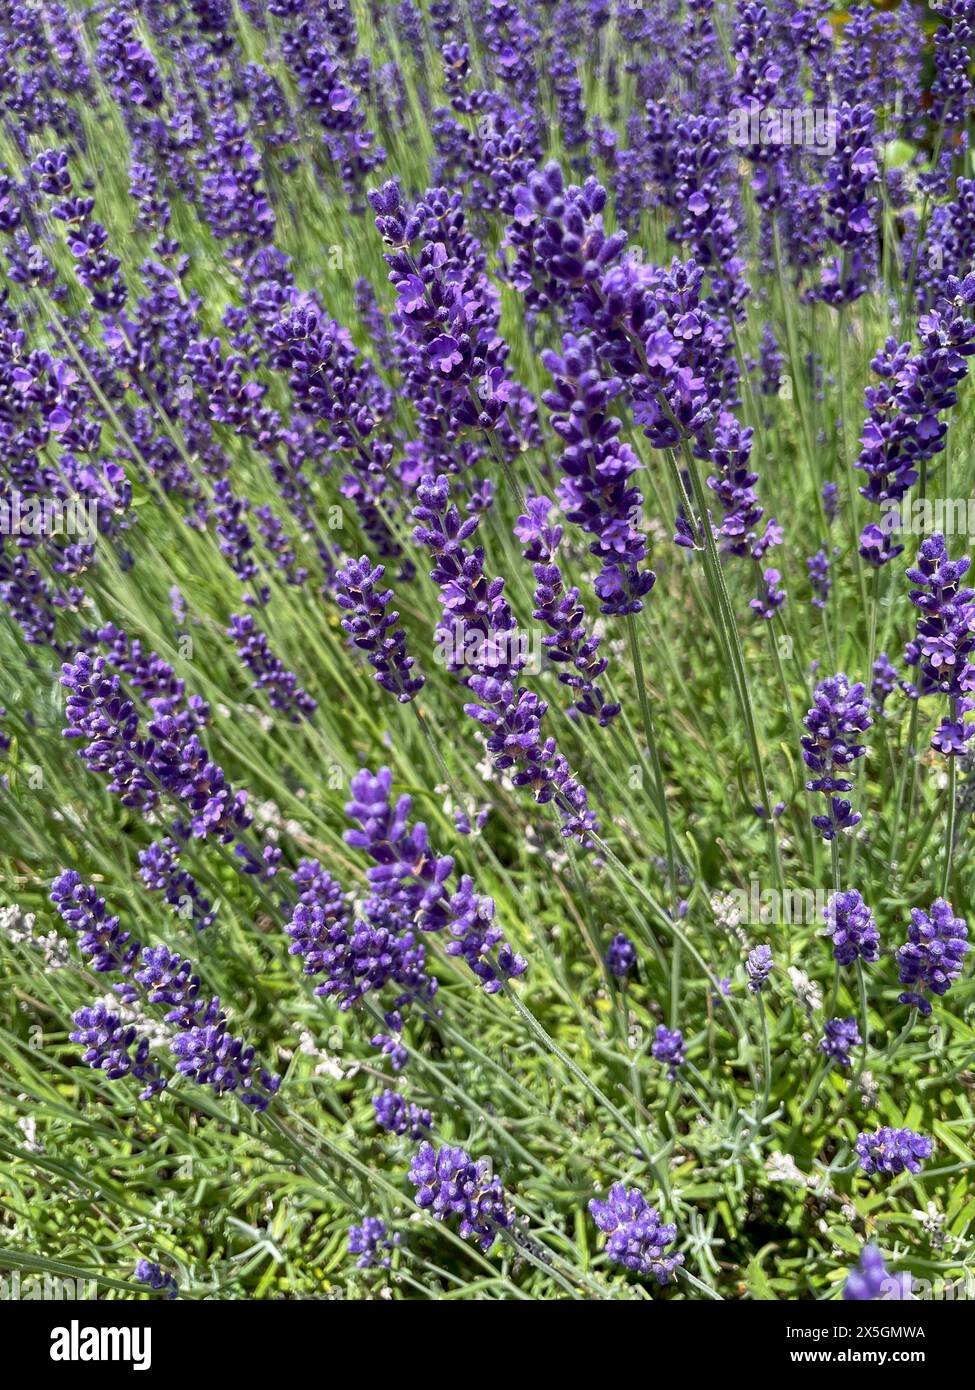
x: 949, y: 828
x: 907, y: 764
x: 648, y: 733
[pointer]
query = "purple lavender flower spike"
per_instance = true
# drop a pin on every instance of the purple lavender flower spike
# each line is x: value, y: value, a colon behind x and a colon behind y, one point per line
x: 621, y: 956
x: 839, y: 1036
x: 371, y: 1243
x: 596, y: 491
x: 100, y: 937
x: 840, y: 710
x: 637, y: 1236
x: 478, y: 633
x: 884, y: 681
x: 668, y: 1048
x: 869, y: 1280
x: 942, y: 650
x: 161, y: 871
x: 903, y: 432
x: 207, y: 1053
x: 759, y: 967
x: 852, y: 927
x: 270, y: 674
x: 818, y: 566
x: 108, y: 1047
x: 168, y: 979
x: 359, y: 593
x: 575, y: 653
x: 394, y: 1115
x: 211, y: 1056
x: 932, y: 958
x: 150, y: 1274
x: 851, y: 204
x: 892, y: 1151
x: 319, y: 927
x: 413, y: 878
x: 771, y: 597
x: 475, y: 935
x: 97, y: 710
x: 390, y: 1046
x: 952, y: 85
x: 166, y: 758
x: 450, y: 1183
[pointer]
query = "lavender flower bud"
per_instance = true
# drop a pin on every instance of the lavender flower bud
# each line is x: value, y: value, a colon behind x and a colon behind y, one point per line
x: 892, y: 1151
x: 869, y: 1280
x: 450, y: 1183
x: 637, y: 1237
x: 852, y: 927
x: 759, y: 967
x: 931, y: 960
x: 840, y: 1035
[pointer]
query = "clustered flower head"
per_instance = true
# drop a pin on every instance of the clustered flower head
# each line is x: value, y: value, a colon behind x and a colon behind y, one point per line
x: 142, y: 764
x: 884, y: 681
x: 668, y: 1047
x: 839, y: 1036
x: 396, y: 1116
x: 758, y: 967
x: 620, y: 956
x: 596, y: 492
x: 573, y: 649
x: 818, y: 566
x: 371, y: 1243
x: 408, y: 876
x: 156, y: 1279
x: 840, y: 712
x: 491, y: 654
x: 207, y: 1052
x: 932, y: 957
x: 109, y: 947
x: 870, y: 1281
x: 161, y: 871
x: 271, y: 676
x: 851, y: 205
x: 852, y: 927
x: 903, y: 432
x: 359, y: 593
x: 451, y: 1184
x: 637, y: 1236
x: 945, y: 641
x: 116, y: 1049
x: 892, y: 1151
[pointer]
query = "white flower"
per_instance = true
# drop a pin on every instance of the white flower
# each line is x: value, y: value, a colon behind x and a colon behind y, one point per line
x: 808, y: 993
x: 782, y: 1167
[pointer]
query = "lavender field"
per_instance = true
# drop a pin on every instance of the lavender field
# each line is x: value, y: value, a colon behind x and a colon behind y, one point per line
x: 487, y: 666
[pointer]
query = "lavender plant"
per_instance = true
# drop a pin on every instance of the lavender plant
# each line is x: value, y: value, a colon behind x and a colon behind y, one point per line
x: 486, y: 663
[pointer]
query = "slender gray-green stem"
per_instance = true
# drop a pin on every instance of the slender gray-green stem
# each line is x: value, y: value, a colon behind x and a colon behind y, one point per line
x: 903, y: 1035
x: 907, y: 766
x: 949, y: 829
x: 847, y: 460
x: 653, y: 751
